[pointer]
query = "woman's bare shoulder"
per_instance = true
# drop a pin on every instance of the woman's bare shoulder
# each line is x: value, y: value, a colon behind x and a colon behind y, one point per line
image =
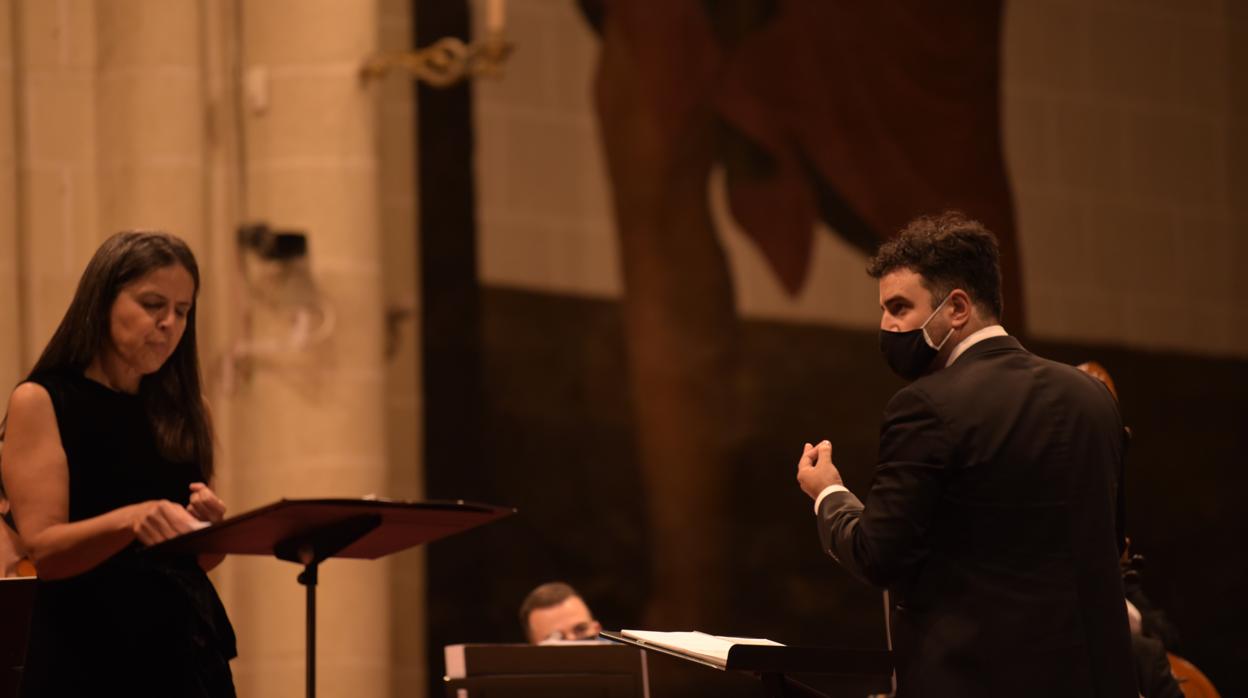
x: 29, y: 399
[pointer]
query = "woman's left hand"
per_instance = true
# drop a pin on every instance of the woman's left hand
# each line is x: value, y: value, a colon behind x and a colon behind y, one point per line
x: 205, y: 504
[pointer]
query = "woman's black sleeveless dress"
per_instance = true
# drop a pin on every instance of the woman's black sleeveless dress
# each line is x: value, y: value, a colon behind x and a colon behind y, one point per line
x: 139, y: 624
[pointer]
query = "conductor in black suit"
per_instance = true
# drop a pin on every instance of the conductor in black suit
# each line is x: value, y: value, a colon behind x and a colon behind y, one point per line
x: 991, y: 514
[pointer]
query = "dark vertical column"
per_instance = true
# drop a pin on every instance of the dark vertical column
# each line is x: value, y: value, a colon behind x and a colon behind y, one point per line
x: 450, y: 318
x: 450, y: 297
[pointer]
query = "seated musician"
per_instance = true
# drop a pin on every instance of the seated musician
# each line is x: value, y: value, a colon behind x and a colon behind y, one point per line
x: 1152, y: 667
x: 554, y: 612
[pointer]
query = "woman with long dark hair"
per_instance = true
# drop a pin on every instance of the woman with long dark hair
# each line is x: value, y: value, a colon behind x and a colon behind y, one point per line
x: 108, y: 450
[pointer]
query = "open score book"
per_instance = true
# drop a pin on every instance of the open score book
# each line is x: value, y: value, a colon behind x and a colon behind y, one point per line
x: 710, y: 648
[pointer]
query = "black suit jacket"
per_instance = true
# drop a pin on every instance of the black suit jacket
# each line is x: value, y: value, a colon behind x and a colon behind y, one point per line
x: 991, y: 519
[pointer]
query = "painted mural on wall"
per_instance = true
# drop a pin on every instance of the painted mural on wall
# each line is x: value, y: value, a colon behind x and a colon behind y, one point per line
x: 861, y: 116
x: 647, y: 432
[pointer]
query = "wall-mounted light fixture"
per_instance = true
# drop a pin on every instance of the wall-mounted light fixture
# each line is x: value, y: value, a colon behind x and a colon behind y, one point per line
x: 449, y: 60
x: 278, y: 279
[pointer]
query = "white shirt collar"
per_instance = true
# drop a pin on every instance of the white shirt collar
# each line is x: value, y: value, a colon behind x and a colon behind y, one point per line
x: 973, y: 339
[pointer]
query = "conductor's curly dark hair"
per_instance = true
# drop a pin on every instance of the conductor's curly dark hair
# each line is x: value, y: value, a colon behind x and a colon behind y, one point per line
x: 949, y: 251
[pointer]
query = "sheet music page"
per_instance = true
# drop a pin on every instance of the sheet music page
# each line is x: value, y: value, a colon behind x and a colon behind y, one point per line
x: 749, y: 640
x: 710, y: 647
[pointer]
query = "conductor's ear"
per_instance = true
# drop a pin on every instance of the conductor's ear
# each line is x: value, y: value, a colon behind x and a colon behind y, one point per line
x: 961, y: 304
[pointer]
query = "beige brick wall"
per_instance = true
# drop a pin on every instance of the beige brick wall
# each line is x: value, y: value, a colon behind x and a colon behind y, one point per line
x: 1117, y: 138
x: 544, y: 215
x: 1118, y: 132
x: 312, y: 423
x: 56, y: 150
x: 126, y: 113
x: 150, y: 117
x: 396, y: 149
x: 11, y: 348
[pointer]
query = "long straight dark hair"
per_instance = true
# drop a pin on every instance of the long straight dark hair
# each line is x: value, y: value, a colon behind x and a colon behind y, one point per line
x: 172, y: 396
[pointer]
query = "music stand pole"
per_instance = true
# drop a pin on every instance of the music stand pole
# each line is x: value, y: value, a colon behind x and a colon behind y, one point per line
x: 310, y: 531
x: 310, y: 549
x: 308, y: 579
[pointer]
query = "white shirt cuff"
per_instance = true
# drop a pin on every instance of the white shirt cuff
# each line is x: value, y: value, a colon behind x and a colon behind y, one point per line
x: 827, y: 491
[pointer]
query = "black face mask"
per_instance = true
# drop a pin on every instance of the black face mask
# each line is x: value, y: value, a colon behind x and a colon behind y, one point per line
x: 910, y: 353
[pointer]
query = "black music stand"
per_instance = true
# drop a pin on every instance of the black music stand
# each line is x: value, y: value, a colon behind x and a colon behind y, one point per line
x: 867, y: 671
x: 599, y: 669
x: 310, y: 531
